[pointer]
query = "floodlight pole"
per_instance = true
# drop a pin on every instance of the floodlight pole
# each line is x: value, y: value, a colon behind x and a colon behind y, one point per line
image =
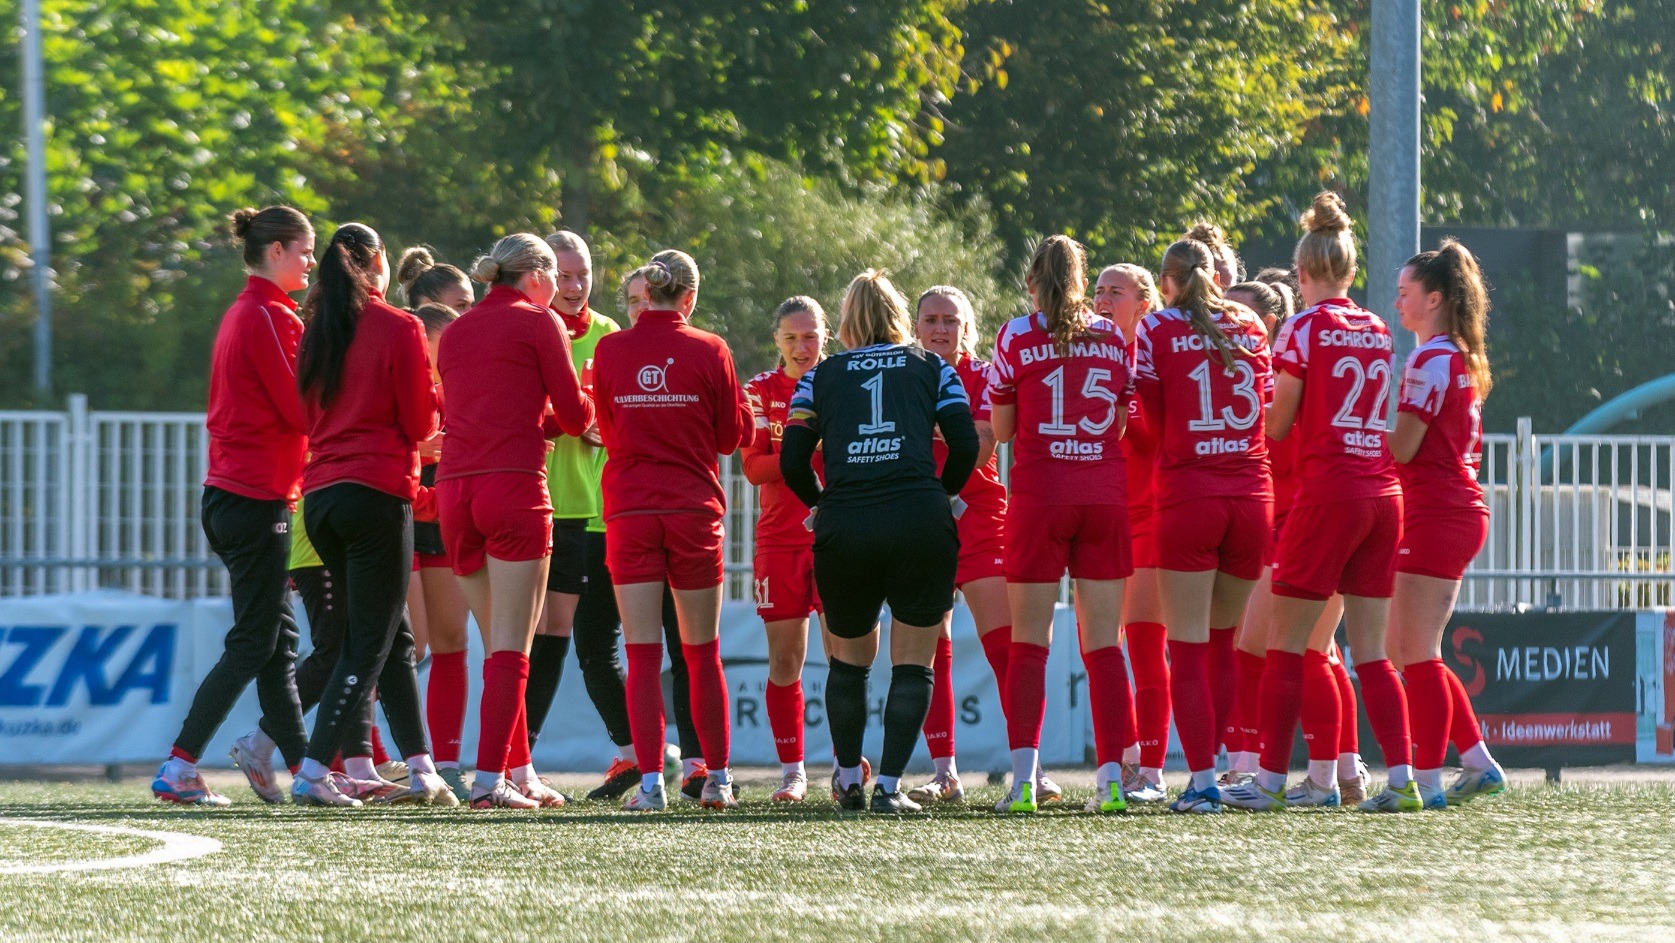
x: 35, y: 186
x: 1393, y: 163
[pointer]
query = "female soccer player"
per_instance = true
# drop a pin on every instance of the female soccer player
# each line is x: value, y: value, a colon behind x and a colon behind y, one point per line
x: 883, y: 526
x: 1204, y: 377
x: 256, y: 448
x: 784, y: 562
x: 946, y: 326
x: 364, y: 372
x: 1125, y: 294
x: 669, y: 403
x: 1342, y: 532
x: 1061, y: 387
x: 510, y: 383
x: 424, y: 280
x: 1441, y: 298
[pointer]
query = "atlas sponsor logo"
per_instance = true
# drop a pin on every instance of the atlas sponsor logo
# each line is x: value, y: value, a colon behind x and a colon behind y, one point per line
x: 1222, y: 446
x: 1077, y: 450
x: 878, y: 449
x: 1364, y: 440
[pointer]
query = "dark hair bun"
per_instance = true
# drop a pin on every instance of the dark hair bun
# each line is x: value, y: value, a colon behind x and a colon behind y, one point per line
x: 241, y: 222
x: 658, y: 275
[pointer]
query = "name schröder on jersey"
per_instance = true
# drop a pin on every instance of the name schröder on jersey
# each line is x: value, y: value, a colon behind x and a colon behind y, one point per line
x: 1075, y: 450
x: 1041, y: 353
x: 1366, y: 340
x: 875, y: 449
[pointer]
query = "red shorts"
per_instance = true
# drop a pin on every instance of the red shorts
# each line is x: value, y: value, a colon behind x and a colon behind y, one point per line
x: 1344, y: 547
x: 683, y: 549
x: 504, y: 515
x: 1272, y: 557
x: 982, y: 539
x: 1142, y: 530
x: 1089, y: 540
x: 428, y: 561
x: 1441, y: 542
x: 1217, y: 533
x: 785, y: 585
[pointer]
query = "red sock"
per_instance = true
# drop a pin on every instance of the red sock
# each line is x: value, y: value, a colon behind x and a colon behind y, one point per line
x: 1026, y: 694
x: 1429, y: 707
x: 939, y: 722
x: 182, y: 755
x: 645, y: 704
x: 1386, y: 702
x: 1349, y: 709
x: 1112, y: 702
x: 1282, y: 701
x: 517, y: 746
x: 1193, y: 703
x: 337, y: 763
x: 709, y: 701
x: 505, y: 674
x: 1463, y: 727
x: 785, y: 719
x: 1147, y: 652
x: 996, y: 646
x: 1248, y: 707
x: 1224, y: 682
x: 379, y: 756
x: 1321, y: 707
x: 445, y: 696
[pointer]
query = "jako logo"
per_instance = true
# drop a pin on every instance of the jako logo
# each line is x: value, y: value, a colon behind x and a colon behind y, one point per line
x: 89, y: 664
x: 655, y: 379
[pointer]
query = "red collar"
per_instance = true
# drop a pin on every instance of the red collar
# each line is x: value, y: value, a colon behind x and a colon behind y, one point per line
x: 506, y: 294
x: 660, y: 316
x: 266, y: 292
x: 578, y: 325
x: 1339, y: 302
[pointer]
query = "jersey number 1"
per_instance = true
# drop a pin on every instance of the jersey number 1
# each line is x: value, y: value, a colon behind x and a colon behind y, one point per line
x: 878, y: 426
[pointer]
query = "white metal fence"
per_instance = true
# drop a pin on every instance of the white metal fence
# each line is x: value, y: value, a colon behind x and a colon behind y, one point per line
x: 91, y: 499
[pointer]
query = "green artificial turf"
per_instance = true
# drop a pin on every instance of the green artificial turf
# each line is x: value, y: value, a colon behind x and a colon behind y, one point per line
x: 1536, y: 863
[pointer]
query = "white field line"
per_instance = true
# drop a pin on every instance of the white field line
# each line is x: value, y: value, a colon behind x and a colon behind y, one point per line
x: 176, y: 847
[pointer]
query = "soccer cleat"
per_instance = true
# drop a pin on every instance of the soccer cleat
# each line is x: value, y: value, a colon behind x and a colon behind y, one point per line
x: 1137, y: 788
x: 837, y: 790
x: 1233, y: 778
x: 692, y: 787
x: 1254, y: 798
x: 854, y: 799
x: 621, y: 777
x: 1391, y: 799
x: 1116, y: 801
x: 1353, y: 792
x: 1472, y: 783
x: 320, y: 792
x: 257, y: 771
x: 396, y: 771
x: 370, y: 790
x: 455, y: 780
x: 1020, y: 800
x: 1046, y: 790
x: 503, y: 796
x: 1432, y: 799
x: 430, y: 789
x: 1206, y: 801
x: 893, y: 802
x: 543, y: 793
x: 718, y: 794
x: 1308, y: 795
x: 642, y: 801
x: 187, y: 790
x: 943, y: 787
x: 793, y: 788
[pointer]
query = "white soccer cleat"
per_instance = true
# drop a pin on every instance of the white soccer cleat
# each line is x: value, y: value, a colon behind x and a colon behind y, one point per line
x: 542, y: 793
x: 503, y: 795
x: 792, y: 788
x: 258, y: 771
x: 396, y: 771
x: 1137, y: 788
x: 639, y: 800
x: 1392, y: 799
x: 718, y: 794
x: 1353, y: 792
x: 1254, y: 798
x: 430, y: 789
x: 1472, y: 783
x: 1309, y: 795
x: 943, y: 787
x: 320, y: 792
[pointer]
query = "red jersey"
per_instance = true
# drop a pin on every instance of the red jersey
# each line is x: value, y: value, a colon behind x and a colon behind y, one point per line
x: 511, y: 386
x: 1207, y: 417
x: 1342, y: 354
x: 983, y: 494
x: 1437, y: 388
x: 1282, y: 467
x: 1139, y: 449
x: 255, y: 421
x: 1071, y: 408
x: 779, y: 526
x: 669, y: 402
x: 385, y: 406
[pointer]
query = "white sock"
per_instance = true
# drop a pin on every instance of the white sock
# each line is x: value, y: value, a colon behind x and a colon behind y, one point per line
x: 314, y: 770
x: 359, y: 767
x: 1270, y: 782
x: 1131, y: 754
x: 264, y: 745
x: 442, y: 764
x: 525, y: 774
x: 1025, y: 761
x: 1400, y: 775
x: 1204, y: 778
x: 484, y: 783
x: 1478, y: 757
x: 849, y: 776
x: 421, y: 763
x: 1349, y: 765
x: 1429, y: 778
x: 688, y: 767
x: 721, y: 777
x: 890, y: 784
x: 1152, y: 774
x: 651, y: 781
x: 625, y: 751
x: 1107, y: 774
x: 794, y: 769
x: 944, y: 766
x: 177, y: 769
x: 1323, y: 772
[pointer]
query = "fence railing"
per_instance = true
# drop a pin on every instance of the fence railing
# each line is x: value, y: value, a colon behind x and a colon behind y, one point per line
x: 110, y: 499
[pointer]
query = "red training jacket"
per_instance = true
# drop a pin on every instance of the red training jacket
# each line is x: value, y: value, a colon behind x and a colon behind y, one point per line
x: 256, y: 425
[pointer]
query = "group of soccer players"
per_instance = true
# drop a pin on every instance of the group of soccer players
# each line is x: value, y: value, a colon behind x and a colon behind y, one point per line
x: 1210, y: 460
